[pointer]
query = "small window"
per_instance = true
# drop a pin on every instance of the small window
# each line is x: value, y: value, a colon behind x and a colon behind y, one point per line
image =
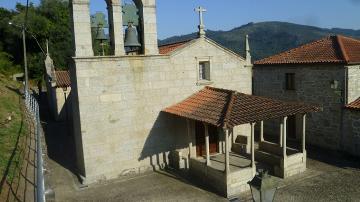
x: 290, y: 81
x: 204, y: 70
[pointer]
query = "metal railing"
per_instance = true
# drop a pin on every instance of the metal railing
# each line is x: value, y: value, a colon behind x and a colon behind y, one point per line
x: 33, y: 108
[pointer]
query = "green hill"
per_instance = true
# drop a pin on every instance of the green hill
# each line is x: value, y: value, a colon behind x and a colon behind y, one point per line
x: 268, y: 38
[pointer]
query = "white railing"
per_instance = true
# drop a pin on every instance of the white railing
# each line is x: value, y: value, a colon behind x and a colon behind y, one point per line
x: 33, y: 108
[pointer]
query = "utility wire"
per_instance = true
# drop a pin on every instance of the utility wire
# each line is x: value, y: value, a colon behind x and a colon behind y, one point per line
x: 26, y: 13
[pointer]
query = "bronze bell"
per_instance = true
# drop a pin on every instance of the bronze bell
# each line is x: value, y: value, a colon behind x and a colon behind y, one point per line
x: 100, y: 36
x: 131, y: 38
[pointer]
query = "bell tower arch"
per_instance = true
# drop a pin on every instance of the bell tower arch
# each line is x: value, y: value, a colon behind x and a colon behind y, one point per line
x: 148, y: 23
x: 82, y: 27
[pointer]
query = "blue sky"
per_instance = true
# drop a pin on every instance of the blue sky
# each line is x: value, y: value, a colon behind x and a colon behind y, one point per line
x: 177, y: 17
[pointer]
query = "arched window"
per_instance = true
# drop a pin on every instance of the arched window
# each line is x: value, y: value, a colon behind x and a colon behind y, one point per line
x: 133, y: 26
x: 100, y: 28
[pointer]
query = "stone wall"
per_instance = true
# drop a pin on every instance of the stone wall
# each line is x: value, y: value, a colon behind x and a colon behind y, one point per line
x: 313, y: 86
x: 119, y: 129
x: 353, y: 83
x: 352, y: 132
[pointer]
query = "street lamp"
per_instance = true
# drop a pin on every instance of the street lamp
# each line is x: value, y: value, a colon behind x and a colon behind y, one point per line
x: 263, y: 187
x: 23, y: 30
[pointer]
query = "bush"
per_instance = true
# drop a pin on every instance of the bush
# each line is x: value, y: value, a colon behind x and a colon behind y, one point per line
x: 6, y: 65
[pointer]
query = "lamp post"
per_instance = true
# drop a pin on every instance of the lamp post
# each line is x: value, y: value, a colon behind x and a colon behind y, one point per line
x: 23, y: 31
x: 263, y: 187
x: 25, y: 58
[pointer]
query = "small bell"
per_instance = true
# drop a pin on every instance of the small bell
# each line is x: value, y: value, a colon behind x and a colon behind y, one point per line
x: 131, y: 38
x: 100, y: 36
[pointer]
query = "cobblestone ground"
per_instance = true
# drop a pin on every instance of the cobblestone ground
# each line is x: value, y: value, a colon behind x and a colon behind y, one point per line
x: 330, y: 177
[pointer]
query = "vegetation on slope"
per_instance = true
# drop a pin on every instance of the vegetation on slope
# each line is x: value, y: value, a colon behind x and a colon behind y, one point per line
x: 12, y: 128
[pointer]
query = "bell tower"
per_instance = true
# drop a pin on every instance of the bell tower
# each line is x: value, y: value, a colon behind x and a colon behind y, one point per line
x: 147, y: 27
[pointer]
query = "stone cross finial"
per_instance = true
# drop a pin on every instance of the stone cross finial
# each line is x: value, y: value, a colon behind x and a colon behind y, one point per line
x: 47, y: 47
x: 201, y: 10
x: 247, y: 50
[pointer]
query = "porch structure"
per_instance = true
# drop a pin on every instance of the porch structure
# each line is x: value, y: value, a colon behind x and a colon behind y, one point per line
x: 225, y: 171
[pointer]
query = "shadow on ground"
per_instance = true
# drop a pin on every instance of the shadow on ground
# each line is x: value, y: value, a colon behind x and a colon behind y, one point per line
x: 59, y: 141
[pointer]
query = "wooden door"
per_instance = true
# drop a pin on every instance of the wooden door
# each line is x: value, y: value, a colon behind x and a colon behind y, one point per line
x: 200, y: 139
x: 291, y: 127
x: 213, y: 140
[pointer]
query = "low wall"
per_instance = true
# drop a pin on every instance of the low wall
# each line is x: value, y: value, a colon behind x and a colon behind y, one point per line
x: 351, y: 132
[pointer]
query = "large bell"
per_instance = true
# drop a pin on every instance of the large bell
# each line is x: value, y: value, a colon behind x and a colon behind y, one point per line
x: 131, y: 38
x: 100, y: 35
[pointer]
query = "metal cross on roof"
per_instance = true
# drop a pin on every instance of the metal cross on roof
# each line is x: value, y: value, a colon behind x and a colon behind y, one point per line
x: 201, y: 10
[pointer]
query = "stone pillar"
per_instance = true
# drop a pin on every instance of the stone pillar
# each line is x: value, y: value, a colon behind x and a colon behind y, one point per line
x: 190, y: 139
x: 304, y: 133
x: 281, y: 133
x: 207, y: 145
x: 116, y: 27
x: 227, y: 155
x: 81, y: 28
x: 252, y: 145
x: 284, y: 137
x: 150, y: 28
x: 262, y: 131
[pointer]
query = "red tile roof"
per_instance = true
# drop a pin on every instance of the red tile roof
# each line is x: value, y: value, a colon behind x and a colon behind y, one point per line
x: 332, y: 49
x: 354, y: 105
x: 62, y: 79
x: 226, y: 108
x: 168, y: 48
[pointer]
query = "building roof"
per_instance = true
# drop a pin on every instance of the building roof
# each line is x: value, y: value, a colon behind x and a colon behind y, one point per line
x: 168, y: 48
x: 332, y: 49
x: 62, y: 79
x: 226, y: 108
x: 354, y: 105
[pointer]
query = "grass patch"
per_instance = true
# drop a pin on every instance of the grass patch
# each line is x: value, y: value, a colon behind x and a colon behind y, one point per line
x: 10, y: 130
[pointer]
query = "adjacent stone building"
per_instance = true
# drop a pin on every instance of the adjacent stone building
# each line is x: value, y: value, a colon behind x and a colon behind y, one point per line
x: 58, y: 86
x: 352, y: 128
x: 326, y: 73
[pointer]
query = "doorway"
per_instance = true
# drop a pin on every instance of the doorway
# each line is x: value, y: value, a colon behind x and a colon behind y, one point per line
x: 291, y: 127
x: 200, y: 139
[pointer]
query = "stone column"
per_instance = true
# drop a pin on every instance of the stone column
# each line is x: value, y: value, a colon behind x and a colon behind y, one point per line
x: 116, y: 27
x: 189, y: 136
x: 284, y: 137
x: 281, y: 133
x: 227, y: 155
x: 252, y: 145
x: 262, y: 131
x: 304, y: 133
x: 81, y: 28
x: 150, y: 28
x: 207, y: 144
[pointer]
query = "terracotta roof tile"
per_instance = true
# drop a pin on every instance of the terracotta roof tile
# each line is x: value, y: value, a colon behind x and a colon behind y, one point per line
x: 62, y: 79
x: 354, y: 105
x: 332, y: 49
x: 168, y: 48
x: 226, y: 108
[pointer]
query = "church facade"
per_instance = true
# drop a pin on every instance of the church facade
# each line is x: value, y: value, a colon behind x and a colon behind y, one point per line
x: 117, y: 100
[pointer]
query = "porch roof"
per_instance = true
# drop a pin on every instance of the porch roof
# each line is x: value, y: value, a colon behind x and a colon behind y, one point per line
x: 227, y: 108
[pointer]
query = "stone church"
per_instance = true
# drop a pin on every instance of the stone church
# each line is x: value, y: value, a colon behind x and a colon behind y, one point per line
x: 135, y: 111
